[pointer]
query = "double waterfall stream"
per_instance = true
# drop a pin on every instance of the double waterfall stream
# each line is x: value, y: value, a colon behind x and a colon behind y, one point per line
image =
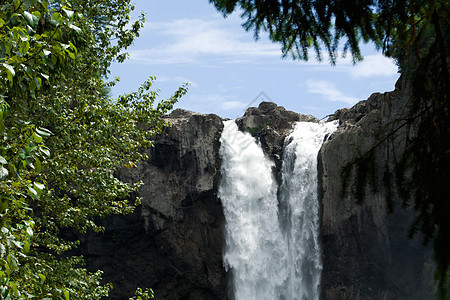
x: 272, y: 232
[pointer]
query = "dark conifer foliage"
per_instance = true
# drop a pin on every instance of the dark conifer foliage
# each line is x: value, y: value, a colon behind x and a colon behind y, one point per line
x: 416, y: 35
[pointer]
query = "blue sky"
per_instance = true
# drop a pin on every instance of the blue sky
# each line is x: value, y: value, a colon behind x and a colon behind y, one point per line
x: 189, y: 41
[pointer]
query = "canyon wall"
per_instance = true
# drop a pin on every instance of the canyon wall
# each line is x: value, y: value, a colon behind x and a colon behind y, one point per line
x: 173, y: 242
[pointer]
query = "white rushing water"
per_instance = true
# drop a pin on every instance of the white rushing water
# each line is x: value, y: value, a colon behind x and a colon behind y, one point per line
x: 272, y: 245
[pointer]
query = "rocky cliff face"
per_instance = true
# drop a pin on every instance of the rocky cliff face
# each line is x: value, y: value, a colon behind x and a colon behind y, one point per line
x: 366, y: 252
x: 270, y: 124
x: 174, y: 241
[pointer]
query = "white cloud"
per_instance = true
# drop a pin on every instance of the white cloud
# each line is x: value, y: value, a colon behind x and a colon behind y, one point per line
x: 162, y: 78
x: 191, y: 40
x: 231, y: 105
x: 329, y: 91
x: 215, y: 41
x: 226, y: 88
x: 374, y: 65
x: 222, y: 104
x: 177, y: 79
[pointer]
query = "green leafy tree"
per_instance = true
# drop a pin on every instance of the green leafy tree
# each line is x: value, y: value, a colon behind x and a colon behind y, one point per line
x: 63, y: 138
x: 416, y: 34
x: 143, y: 295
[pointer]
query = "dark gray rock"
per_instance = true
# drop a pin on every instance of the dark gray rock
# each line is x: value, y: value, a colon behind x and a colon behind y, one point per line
x: 173, y: 243
x: 366, y: 252
x: 270, y: 124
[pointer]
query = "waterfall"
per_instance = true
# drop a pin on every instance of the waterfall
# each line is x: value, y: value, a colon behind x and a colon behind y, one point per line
x: 255, y: 250
x: 300, y: 208
x: 272, y: 245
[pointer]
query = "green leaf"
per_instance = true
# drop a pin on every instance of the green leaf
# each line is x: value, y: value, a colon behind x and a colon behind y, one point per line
x: 71, y: 55
x: 30, y: 30
x: 45, y: 151
x: 46, y: 77
x: 28, y: 3
x: 43, y: 131
x: 37, y: 138
x: 38, y: 165
x: 7, y: 269
x: 66, y: 294
x: 33, y: 192
x: 68, y: 12
x: 44, y: 4
x: 32, y: 19
x: 75, y: 28
x: 35, y: 83
x: 72, y: 46
x: 39, y: 186
x: 56, y: 19
x: 30, y: 231
x: 24, y: 47
x: 32, y: 85
x: 26, y: 247
x: 42, y: 277
x: 17, y: 244
x: 28, y: 17
x: 10, y: 72
x: 6, y: 6
x: 36, y: 14
x: 12, y: 261
x: 14, y: 288
x: 3, y: 173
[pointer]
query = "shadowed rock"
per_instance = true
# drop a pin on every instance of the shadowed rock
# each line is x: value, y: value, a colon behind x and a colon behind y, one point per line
x: 366, y: 252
